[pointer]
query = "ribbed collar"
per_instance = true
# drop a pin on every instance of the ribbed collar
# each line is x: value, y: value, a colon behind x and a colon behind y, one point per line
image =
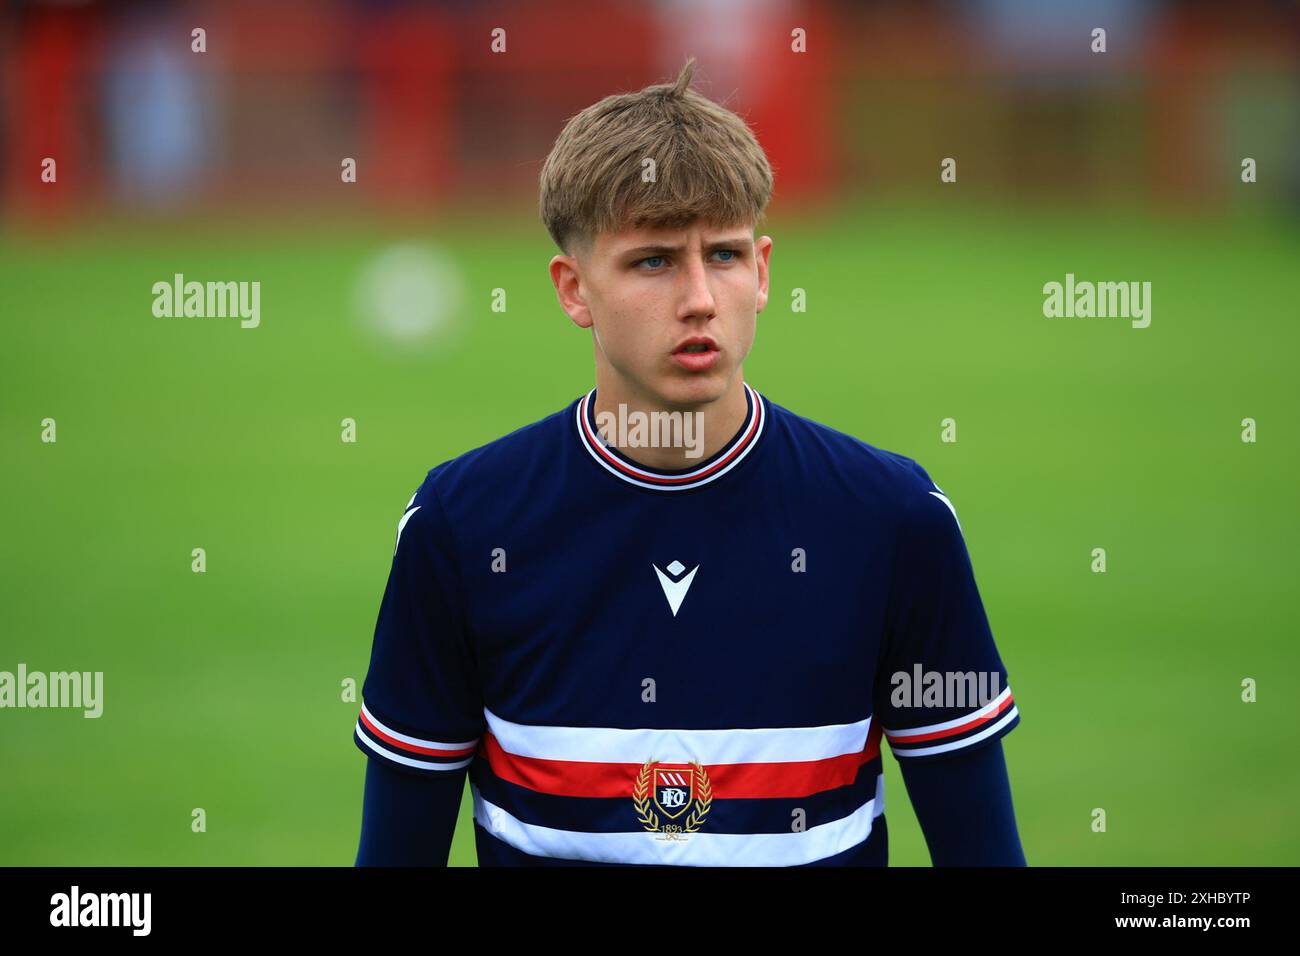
x: 717, y: 465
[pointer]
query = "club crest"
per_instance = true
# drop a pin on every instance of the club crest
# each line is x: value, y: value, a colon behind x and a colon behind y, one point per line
x: 672, y: 798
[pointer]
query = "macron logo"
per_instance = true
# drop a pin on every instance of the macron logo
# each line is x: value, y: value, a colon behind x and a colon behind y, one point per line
x: 401, y: 525
x: 944, y: 498
x: 675, y: 587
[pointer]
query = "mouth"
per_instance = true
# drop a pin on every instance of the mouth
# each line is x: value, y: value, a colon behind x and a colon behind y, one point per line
x: 696, y: 354
x: 696, y: 345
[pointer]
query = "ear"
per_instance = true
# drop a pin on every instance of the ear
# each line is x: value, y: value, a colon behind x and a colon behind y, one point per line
x: 567, y: 279
x: 762, y: 249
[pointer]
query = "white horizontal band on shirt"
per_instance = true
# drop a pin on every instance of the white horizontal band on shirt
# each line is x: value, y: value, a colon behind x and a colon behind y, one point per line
x: 415, y: 741
x: 697, y: 849
x: 659, y: 486
x: 389, y: 754
x: 984, y: 711
x: 620, y: 745
x: 963, y: 742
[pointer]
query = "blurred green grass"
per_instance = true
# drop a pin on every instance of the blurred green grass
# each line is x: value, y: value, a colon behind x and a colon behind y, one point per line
x: 222, y: 690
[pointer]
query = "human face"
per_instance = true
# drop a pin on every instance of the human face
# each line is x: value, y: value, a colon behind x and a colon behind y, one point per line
x: 649, y: 292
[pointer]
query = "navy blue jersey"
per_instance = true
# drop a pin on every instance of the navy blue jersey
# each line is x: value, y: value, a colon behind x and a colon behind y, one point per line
x: 694, y: 667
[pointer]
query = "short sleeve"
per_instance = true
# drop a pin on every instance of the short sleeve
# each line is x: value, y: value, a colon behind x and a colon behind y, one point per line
x: 422, y: 707
x: 941, y: 687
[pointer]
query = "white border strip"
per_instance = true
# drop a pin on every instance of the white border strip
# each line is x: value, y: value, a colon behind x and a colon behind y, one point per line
x: 697, y: 849
x: 963, y: 742
x: 393, y: 755
x: 415, y: 741
x: 739, y: 745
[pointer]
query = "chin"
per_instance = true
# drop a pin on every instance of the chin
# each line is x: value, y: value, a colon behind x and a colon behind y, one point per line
x: 694, y: 389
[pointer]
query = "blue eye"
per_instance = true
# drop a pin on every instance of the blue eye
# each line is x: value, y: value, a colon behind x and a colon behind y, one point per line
x: 650, y: 263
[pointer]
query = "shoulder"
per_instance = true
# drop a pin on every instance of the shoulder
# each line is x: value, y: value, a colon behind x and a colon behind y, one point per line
x: 887, y: 491
x: 494, y: 473
x: 893, y: 479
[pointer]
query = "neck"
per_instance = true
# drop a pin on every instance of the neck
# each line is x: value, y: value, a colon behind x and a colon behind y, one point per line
x: 681, y: 440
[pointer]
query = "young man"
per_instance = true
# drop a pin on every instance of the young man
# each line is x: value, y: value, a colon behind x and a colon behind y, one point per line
x: 682, y: 652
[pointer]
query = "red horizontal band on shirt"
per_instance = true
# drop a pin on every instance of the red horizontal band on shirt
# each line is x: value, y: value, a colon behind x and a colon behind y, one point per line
x: 570, y: 778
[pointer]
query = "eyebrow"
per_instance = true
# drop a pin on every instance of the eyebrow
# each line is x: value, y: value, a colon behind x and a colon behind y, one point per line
x: 660, y: 248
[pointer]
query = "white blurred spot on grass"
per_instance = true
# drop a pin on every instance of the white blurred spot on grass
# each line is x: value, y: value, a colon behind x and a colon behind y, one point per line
x: 411, y: 296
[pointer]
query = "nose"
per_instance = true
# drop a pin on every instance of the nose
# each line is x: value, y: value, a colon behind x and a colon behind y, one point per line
x: 697, y: 297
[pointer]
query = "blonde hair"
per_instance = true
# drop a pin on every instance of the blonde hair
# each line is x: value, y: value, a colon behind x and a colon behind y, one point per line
x: 707, y: 165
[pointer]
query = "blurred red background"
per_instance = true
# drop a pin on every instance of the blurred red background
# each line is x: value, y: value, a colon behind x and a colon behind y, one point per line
x: 432, y: 113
